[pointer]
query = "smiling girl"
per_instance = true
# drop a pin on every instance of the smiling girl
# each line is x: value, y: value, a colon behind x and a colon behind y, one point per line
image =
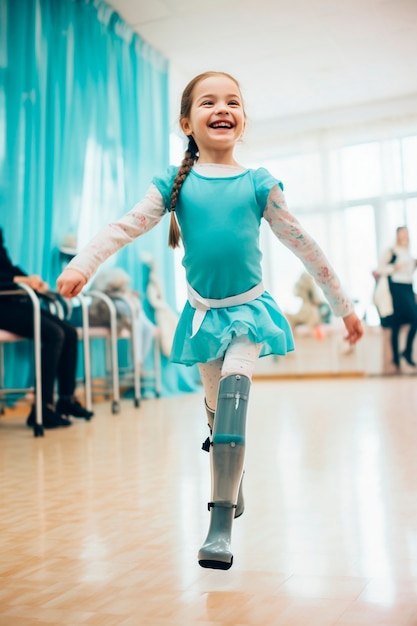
x: 229, y: 319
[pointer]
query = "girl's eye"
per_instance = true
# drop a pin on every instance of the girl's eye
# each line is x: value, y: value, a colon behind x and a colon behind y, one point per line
x: 207, y: 102
x: 234, y: 103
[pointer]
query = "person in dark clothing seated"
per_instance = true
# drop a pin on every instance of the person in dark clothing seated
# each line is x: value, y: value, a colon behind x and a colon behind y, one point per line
x: 59, y: 345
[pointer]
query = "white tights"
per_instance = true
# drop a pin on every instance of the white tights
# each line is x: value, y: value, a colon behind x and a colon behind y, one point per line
x: 240, y: 358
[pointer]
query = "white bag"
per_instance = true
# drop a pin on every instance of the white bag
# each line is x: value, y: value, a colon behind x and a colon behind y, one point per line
x: 382, y: 297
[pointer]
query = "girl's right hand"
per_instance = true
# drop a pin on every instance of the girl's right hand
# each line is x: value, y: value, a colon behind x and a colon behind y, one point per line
x: 70, y: 283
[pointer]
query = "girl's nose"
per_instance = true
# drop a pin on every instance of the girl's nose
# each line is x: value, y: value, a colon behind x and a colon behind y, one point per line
x: 221, y: 108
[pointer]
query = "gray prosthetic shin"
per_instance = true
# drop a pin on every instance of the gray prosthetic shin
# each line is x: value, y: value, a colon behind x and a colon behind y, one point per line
x: 240, y: 504
x: 227, y: 459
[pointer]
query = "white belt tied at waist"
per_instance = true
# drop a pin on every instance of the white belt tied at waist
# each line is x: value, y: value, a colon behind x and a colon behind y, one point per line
x: 202, y: 305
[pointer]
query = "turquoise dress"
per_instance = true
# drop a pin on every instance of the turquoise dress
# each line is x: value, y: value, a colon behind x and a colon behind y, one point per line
x: 220, y: 222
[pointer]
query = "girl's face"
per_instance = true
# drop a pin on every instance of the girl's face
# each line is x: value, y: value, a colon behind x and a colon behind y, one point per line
x: 216, y: 119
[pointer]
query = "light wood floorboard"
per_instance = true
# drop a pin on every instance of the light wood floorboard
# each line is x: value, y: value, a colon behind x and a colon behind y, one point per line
x: 100, y: 523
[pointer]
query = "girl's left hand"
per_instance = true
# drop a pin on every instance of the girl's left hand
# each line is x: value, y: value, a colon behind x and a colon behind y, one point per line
x: 354, y: 328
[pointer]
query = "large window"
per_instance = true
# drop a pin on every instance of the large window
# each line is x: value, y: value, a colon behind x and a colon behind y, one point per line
x: 355, y: 172
x: 409, y: 152
x: 351, y: 199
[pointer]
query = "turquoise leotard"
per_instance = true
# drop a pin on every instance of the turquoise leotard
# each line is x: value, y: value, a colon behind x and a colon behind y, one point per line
x: 220, y: 221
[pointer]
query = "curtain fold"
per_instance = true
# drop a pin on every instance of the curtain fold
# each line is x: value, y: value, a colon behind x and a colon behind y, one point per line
x: 84, y: 127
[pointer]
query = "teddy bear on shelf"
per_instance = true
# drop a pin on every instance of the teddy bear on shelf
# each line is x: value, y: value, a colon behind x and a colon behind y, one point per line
x: 313, y: 311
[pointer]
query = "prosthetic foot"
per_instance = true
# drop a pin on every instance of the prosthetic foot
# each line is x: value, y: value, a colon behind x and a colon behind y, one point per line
x: 227, y: 459
x: 240, y: 505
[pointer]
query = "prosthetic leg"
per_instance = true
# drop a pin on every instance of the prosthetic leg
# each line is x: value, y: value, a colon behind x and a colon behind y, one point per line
x: 227, y: 458
x: 240, y: 505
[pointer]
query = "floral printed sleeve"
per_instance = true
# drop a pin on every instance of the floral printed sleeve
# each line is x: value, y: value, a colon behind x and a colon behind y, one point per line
x: 290, y: 232
x: 138, y: 221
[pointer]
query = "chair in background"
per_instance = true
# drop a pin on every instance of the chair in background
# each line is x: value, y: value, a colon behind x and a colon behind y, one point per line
x: 131, y: 374
x: 84, y: 337
x: 150, y: 379
x: 141, y: 336
x: 116, y: 374
x: 63, y: 308
x: 114, y: 316
x: 70, y: 309
x: 9, y: 338
x: 110, y: 335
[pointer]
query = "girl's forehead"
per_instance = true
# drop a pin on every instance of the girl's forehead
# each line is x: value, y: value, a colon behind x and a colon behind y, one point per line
x: 216, y: 84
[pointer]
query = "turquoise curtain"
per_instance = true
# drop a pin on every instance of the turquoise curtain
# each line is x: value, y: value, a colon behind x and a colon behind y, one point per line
x: 83, y: 128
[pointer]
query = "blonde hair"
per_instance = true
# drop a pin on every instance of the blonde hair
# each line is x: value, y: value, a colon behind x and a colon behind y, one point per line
x: 191, y: 153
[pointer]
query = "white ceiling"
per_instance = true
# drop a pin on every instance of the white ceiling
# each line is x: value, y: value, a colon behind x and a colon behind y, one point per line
x: 295, y: 59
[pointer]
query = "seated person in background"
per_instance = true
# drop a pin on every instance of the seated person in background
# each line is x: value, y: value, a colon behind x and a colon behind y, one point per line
x: 59, y: 345
x: 115, y: 283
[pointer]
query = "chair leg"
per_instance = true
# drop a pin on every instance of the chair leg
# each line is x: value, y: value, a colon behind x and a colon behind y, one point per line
x: 86, y: 354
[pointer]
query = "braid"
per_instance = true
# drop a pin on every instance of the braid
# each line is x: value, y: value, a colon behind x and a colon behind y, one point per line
x: 188, y: 161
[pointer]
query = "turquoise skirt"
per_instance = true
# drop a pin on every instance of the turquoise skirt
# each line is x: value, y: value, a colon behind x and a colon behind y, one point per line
x: 260, y: 320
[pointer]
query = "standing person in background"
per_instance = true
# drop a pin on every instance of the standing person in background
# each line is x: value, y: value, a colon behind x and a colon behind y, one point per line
x: 229, y: 319
x: 398, y: 264
x: 59, y: 345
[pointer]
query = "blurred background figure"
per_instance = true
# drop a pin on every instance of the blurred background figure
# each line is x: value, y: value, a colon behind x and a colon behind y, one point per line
x: 398, y: 266
x: 115, y: 283
x: 313, y: 311
x: 59, y: 345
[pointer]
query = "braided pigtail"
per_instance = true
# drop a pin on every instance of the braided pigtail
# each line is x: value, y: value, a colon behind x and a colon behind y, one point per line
x: 188, y: 161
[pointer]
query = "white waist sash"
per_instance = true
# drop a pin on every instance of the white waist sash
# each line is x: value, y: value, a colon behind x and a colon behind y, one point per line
x: 202, y: 305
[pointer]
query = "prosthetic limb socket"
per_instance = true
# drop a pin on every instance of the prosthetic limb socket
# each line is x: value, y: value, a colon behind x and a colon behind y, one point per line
x: 227, y: 459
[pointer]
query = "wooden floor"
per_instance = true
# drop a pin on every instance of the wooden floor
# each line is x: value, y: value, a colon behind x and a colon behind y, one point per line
x: 101, y: 523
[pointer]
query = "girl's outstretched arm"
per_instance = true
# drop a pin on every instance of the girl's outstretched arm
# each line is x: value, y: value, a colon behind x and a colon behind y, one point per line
x: 291, y: 233
x: 138, y: 221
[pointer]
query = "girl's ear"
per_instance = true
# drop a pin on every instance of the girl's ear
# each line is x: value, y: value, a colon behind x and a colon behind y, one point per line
x: 185, y: 126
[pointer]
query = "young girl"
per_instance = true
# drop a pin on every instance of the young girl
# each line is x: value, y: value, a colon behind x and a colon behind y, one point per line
x: 229, y: 319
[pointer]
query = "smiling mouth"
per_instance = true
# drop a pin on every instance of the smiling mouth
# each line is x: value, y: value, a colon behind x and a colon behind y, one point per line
x: 222, y: 124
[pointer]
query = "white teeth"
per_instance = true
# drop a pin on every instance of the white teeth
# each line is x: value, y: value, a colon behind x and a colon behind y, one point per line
x: 221, y: 125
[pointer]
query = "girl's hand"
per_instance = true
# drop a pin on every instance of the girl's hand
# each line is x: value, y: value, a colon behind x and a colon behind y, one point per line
x: 70, y: 283
x: 354, y: 328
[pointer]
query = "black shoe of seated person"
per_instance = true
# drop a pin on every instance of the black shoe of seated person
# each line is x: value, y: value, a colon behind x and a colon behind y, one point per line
x: 50, y: 419
x: 71, y: 406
